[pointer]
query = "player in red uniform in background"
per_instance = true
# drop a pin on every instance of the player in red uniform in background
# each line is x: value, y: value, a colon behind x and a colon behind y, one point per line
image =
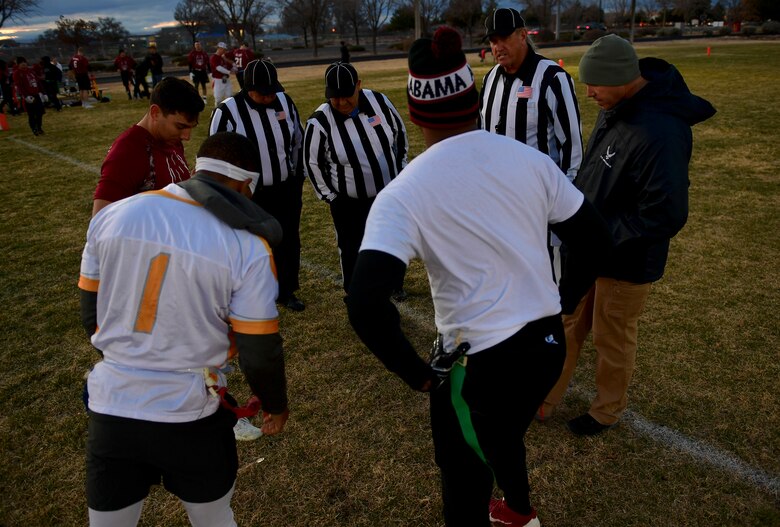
x: 221, y: 68
x: 150, y: 155
x: 29, y: 90
x: 199, y: 68
x: 79, y: 65
x: 241, y: 57
x: 125, y: 64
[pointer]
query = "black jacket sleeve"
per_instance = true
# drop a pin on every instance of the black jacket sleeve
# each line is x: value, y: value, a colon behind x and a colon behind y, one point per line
x: 261, y: 358
x: 376, y: 320
x: 587, y: 243
x: 88, y: 303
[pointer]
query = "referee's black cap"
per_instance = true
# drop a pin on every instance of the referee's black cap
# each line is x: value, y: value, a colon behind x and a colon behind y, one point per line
x: 503, y: 22
x: 341, y: 79
x: 260, y: 76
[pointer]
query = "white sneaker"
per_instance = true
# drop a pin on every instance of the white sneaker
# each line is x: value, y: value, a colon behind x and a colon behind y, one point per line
x: 245, y: 431
x: 205, y: 98
x: 86, y: 106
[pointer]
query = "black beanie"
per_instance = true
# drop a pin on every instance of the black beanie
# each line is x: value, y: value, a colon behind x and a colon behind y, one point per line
x: 441, y: 92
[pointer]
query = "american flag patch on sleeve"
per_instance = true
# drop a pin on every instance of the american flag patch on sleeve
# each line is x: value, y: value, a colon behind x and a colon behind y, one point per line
x: 525, y: 92
x: 281, y: 116
x: 375, y: 120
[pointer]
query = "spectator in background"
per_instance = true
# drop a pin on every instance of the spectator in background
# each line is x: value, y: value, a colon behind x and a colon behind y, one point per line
x: 198, y: 61
x: 6, y: 85
x: 79, y: 65
x: 125, y: 64
x: 141, y: 89
x: 30, y: 91
x: 241, y: 58
x: 155, y: 64
x: 344, y: 50
x: 52, y: 76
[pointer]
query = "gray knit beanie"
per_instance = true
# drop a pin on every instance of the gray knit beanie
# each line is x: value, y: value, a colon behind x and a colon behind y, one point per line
x: 610, y: 61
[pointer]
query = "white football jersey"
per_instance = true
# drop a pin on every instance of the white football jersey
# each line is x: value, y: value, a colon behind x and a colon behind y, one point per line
x: 173, y: 281
x: 481, y: 230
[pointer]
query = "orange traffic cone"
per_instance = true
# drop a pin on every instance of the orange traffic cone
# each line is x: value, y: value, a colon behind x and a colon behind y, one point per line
x: 4, y: 122
x: 560, y: 62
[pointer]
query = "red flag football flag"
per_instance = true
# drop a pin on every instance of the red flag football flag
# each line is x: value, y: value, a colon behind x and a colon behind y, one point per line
x: 4, y: 122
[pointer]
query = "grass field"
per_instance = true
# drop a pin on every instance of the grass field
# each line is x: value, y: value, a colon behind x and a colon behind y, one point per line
x: 700, y: 447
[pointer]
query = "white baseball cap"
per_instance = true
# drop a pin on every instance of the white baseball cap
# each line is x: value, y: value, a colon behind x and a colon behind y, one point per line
x: 222, y: 45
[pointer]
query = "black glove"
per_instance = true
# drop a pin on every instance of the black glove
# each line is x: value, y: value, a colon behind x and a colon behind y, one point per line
x: 442, y: 361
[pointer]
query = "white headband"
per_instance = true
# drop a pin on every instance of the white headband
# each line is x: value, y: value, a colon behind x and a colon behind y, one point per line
x: 226, y: 169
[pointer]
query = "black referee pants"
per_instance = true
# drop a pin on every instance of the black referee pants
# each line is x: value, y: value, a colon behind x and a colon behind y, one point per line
x: 284, y: 203
x: 502, y: 388
x: 349, y: 218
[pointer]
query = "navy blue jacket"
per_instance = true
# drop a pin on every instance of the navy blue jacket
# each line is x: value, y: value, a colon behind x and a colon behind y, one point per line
x: 635, y: 170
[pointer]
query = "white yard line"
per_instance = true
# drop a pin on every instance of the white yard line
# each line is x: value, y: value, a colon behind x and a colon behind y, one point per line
x: 661, y: 434
x: 83, y: 166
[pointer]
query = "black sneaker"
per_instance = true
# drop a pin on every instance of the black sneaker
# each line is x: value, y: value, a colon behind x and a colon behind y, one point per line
x: 585, y: 425
x: 292, y: 303
x: 40, y: 131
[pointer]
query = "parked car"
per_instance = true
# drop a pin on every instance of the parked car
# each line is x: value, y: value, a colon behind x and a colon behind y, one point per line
x: 587, y: 26
x: 533, y: 31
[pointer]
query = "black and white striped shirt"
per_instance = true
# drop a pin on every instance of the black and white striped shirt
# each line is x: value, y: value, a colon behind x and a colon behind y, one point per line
x: 536, y: 105
x: 355, y: 156
x: 275, y: 128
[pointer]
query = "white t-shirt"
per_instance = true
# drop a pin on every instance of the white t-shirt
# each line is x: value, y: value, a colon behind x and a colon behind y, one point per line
x: 475, y: 209
x: 172, y: 281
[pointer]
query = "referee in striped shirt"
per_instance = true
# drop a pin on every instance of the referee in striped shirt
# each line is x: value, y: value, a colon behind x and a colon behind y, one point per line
x: 355, y: 144
x: 529, y: 97
x: 265, y: 114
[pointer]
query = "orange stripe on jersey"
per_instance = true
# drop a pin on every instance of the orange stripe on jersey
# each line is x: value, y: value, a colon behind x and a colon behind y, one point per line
x: 255, y: 327
x: 147, y: 310
x: 271, y: 254
x: 88, y: 284
x: 166, y: 194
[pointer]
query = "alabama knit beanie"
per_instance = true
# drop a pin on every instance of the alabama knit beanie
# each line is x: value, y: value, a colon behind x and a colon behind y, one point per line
x: 441, y: 91
x: 609, y: 61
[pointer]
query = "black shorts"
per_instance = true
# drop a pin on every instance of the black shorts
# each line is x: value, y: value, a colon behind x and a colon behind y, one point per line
x: 196, y: 461
x: 199, y: 77
x: 83, y: 81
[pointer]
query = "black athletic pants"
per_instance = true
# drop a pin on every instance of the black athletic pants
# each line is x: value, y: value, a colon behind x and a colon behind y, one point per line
x: 503, y: 387
x: 284, y: 203
x: 349, y: 218
x: 35, y: 113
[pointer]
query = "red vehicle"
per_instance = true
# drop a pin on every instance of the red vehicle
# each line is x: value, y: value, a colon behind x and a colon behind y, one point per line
x: 587, y: 26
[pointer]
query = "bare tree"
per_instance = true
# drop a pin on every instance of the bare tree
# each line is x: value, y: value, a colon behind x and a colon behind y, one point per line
x: 377, y: 13
x: 314, y: 14
x: 256, y: 20
x: 16, y: 10
x: 292, y: 18
x: 75, y: 31
x: 431, y: 11
x: 235, y: 14
x: 349, y: 14
x: 465, y: 14
x: 110, y: 30
x: 193, y: 17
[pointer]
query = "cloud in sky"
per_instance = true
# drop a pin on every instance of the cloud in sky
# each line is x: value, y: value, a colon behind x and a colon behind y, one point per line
x: 138, y: 16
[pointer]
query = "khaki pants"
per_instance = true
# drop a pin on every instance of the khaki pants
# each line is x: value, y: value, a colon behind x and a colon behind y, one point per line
x: 611, y: 309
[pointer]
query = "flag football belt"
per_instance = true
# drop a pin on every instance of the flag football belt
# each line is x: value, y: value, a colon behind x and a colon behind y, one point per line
x: 227, y: 401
